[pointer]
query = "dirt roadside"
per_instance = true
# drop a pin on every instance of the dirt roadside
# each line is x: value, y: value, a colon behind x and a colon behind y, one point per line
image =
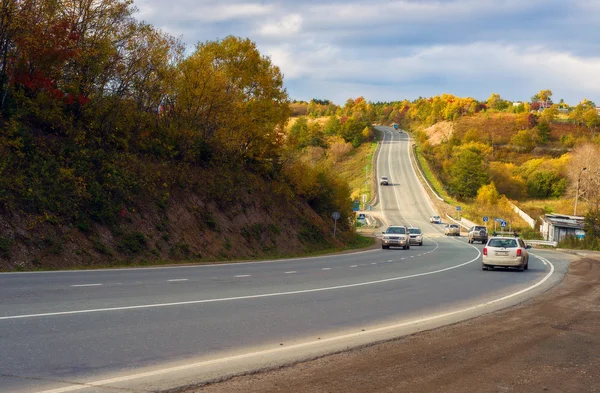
x: 549, y: 344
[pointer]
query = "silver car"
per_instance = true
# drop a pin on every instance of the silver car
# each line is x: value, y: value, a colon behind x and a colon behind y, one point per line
x: 505, y: 252
x: 452, y: 230
x: 395, y: 236
x: 416, y: 236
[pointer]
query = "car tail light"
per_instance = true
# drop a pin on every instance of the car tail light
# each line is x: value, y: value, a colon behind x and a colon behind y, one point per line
x: 519, y: 252
x: 484, y: 250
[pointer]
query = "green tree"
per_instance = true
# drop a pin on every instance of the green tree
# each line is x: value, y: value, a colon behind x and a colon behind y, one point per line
x: 543, y: 131
x: 467, y: 174
x: 523, y: 140
x: 495, y: 102
x: 545, y: 183
x: 332, y: 127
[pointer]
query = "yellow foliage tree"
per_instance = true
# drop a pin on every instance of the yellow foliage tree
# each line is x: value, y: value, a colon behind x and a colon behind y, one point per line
x: 488, y: 195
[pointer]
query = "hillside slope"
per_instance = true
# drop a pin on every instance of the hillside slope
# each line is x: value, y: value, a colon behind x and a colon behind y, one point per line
x: 254, y: 218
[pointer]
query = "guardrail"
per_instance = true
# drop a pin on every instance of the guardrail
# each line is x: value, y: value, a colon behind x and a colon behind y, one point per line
x: 458, y: 222
x: 541, y: 243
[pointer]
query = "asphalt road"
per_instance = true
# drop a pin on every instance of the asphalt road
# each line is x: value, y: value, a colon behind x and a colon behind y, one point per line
x: 61, y: 330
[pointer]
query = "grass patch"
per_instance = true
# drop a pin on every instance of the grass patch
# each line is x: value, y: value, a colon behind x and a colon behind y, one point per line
x: 432, y: 179
x: 357, y: 170
x: 5, y: 247
x: 132, y: 243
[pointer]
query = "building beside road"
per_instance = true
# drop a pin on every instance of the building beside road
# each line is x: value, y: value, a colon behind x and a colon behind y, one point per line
x: 555, y: 227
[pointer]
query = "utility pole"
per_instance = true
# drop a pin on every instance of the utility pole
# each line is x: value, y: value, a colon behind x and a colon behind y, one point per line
x: 577, y: 194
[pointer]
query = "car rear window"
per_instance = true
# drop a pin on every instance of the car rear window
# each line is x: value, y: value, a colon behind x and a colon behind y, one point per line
x: 453, y: 226
x: 480, y: 228
x: 414, y: 230
x: 399, y: 230
x: 506, y: 243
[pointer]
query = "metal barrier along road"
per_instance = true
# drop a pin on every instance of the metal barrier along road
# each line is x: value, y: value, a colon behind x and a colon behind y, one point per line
x: 541, y: 242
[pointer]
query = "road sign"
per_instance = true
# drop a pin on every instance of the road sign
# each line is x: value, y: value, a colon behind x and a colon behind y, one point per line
x: 395, y: 126
x: 485, y: 218
x: 458, y: 208
x: 579, y: 234
x: 503, y: 224
x: 356, y: 206
x: 336, y: 216
x: 361, y: 216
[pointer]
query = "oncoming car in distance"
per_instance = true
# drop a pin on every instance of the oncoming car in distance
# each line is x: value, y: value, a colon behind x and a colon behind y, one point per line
x: 503, y: 251
x: 395, y: 236
x: 384, y: 181
x: 416, y: 236
x: 435, y: 219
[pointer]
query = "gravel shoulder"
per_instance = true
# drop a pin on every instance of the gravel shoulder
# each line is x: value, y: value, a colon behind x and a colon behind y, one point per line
x: 548, y: 344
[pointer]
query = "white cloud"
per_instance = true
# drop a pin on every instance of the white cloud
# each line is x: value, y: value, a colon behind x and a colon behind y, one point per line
x: 201, y: 11
x: 288, y: 25
x: 483, y: 66
x: 385, y: 12
x: 395, y: 48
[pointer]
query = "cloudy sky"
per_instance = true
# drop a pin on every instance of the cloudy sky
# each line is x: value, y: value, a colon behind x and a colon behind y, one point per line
x: 392, y: 50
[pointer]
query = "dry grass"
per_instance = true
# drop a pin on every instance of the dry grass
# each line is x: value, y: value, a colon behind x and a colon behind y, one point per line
x: 311, y: 120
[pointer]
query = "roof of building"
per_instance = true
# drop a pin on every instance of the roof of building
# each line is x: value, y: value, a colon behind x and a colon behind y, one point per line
x: 565, y: 221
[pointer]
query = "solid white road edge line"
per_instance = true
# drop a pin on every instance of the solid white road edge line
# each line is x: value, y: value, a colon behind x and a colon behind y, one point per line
x: 86, y: 285
x: 264, y: 295
x: 298, y: 346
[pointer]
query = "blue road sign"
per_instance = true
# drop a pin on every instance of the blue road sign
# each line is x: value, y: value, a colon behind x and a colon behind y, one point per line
x: 503, y: 224
x: 361, y: 216
x: 485, y: 218
x: 356, y: 206
x: 457, y: 207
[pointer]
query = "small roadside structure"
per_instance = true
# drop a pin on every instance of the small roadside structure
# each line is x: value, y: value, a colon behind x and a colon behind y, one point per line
x: 555, y: 227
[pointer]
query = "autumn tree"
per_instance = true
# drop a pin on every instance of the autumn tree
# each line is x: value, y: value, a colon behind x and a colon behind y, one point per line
x: 232, y: 98
x: 543, y: 97
x: 488, y: 195
x: 523, y: 140
x: 585, y: 156
x: 495, y: 102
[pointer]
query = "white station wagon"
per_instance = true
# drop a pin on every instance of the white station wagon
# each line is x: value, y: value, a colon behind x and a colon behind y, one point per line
x: 505, y: 252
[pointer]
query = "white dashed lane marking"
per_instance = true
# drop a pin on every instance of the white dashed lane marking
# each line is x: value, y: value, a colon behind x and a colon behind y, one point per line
x: 178, y: 279
x: 354, y: 266
x: 86, y: 285
x: 242, y: 275
x: 292, y: 272
x: 326, y: 268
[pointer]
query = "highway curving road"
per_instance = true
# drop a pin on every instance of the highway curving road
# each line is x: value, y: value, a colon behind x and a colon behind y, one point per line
x: 158, y: 328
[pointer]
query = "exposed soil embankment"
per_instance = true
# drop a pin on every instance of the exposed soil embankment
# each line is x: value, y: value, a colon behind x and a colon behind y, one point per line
x: 207, y: 221
x: 550, y: 344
